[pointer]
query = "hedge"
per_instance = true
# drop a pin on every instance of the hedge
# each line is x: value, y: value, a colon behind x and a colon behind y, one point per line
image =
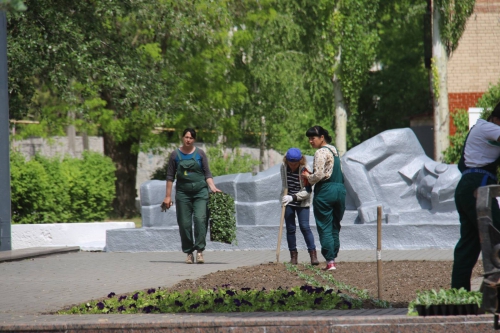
x: 51, y: 190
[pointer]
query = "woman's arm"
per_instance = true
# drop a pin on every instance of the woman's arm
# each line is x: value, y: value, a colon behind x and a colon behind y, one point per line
x: 206, y: 170
x: 319, y: 166
x: 168, y: 197
x: 213, y: 188
x: 172, y: 166
x: 303, y: 194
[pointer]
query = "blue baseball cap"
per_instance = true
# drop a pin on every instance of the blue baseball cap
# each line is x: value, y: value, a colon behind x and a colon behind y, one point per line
x: 293, y: 155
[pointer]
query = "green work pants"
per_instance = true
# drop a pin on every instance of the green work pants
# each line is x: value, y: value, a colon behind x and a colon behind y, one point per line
x: 329, y: 207
x: 469, y: 246
x: 192, y: 208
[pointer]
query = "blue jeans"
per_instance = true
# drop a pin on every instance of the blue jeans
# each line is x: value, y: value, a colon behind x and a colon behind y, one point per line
x: 303, y: 217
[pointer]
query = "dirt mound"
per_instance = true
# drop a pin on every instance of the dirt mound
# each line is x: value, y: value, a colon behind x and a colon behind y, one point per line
x: 400, y: 279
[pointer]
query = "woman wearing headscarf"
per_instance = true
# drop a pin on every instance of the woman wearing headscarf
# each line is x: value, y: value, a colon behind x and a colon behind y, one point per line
x: 329, y: 193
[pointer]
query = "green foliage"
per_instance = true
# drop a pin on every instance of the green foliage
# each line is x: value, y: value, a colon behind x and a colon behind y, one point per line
x: 399, y: 88
x: 222, y: 218
x: 355, y: 31
x: 359, y: 295
x: 221, y: 163
x: 489, y: 100
x: 161, y: 172
x: 215, y: 300
x: 453, y: 153
x: 461, y: 120
x: 12, y: 5
x: 47, y: 190
x: 224, y: 163
x: 445, y: 296
x: 454, y: 15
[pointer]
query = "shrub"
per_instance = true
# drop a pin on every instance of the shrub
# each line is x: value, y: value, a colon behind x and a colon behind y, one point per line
x: 453, y: 153
x: 222, y: 218
x: 220, y: 163
x: 50, y: 190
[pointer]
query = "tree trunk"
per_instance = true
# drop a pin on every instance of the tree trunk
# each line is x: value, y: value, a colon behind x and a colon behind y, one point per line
x: 441, y: 108
x: 340, y: 112
x: 126, y: 174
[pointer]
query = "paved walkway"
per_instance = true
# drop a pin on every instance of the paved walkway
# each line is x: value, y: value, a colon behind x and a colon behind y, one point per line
x: 38, y: 285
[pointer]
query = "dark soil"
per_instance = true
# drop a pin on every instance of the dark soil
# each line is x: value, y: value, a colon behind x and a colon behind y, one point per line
x: 400, y: 279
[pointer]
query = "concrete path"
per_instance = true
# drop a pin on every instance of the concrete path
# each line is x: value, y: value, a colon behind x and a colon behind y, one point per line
x: 38, y: 285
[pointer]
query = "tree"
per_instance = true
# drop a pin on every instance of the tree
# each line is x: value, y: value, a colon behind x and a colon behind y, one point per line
x: 12, y: 5
x: 448, y: 25
x: 124, y: 67
x: 398, y: 88
x: 355, y: 32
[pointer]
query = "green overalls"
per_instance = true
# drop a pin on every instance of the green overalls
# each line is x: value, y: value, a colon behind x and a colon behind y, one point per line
x: 329, y: 207
x: 191, y: 199
x: 469, y: 246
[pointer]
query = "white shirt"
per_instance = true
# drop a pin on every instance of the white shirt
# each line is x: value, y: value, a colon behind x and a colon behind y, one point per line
x: 482, y: 147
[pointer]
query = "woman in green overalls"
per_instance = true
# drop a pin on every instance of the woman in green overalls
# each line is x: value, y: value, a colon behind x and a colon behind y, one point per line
x: 329, y: 193
x: 190, y: 166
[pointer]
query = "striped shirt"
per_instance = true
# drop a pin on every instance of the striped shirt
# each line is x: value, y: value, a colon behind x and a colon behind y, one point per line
x: 292, y: 178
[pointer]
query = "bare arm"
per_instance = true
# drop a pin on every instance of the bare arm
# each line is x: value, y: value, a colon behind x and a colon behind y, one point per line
x: 213, y: 188
x: 168, y: 197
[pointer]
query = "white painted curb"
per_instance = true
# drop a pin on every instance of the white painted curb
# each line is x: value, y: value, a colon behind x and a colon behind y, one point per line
x: 89, y: 236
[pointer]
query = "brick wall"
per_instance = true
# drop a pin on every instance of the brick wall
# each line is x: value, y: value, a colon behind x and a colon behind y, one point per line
x: 458, y: 101
x: 475, y: 64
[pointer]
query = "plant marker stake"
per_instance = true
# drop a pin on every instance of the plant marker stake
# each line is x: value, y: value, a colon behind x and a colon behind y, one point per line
x: 379, y: 250
x: 278, y: 248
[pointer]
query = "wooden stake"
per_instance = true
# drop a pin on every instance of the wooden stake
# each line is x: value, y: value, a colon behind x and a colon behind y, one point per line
x: 379, y: 251
x: 282, y: 220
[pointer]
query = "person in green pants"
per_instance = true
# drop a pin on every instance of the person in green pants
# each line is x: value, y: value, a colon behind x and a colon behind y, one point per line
x: 329, y: 193
x: 190, y: 166
x: 478, y: 164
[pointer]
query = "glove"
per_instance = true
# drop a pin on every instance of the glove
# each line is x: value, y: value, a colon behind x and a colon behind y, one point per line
x: 286, y: 199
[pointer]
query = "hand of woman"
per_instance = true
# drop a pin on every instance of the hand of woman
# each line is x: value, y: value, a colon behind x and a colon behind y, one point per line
x: 215, y: 189
x: 211, y: 185
x: 167, y: 203
x: 304, y: 175
x: 286, y: 199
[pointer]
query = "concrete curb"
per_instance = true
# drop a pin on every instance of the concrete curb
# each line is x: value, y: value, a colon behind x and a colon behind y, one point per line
x: 35, y: 252
x: 297, y: 321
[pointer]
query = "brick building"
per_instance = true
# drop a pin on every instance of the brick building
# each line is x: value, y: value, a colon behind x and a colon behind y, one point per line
x: 475, y: 64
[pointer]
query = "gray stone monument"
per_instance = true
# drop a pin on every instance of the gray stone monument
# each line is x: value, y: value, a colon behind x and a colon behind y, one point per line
x: 389, y: 170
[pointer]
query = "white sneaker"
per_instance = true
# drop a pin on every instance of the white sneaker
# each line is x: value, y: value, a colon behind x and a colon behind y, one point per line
x: 199, y: 258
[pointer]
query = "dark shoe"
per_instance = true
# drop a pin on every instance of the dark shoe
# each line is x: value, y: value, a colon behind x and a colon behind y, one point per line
x: 314, y: 258
x: 294, y: 256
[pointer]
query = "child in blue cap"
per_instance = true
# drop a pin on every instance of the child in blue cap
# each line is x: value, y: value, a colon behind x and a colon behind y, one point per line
x: 297, y: 202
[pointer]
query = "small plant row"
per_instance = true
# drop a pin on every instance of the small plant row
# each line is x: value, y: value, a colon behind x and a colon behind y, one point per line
x: 428, y: 299
x: 221, y: 299
x: 362, y: 295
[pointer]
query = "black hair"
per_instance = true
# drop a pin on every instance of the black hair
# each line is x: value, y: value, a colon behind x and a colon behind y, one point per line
x: 191, y: 131
x: 319, y: 131
x: 495, y: 112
